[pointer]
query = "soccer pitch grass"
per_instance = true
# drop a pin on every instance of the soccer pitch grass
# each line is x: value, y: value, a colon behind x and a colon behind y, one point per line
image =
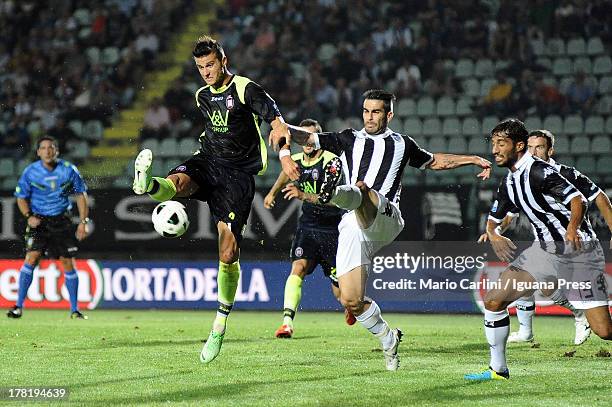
x: 152, y: 358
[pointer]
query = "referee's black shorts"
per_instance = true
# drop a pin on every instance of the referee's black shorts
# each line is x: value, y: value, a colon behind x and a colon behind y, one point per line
x: 228, y: 191
x: 54, y: 237
x: 318, y: 245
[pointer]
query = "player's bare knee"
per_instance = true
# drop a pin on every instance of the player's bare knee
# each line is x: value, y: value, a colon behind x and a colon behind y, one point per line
x: 228, y: 255
x: 494, y: 305
x: 32, y: 258
x: 603, y: 330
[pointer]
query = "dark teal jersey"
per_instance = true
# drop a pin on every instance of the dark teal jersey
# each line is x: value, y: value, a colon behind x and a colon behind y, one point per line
x: 232, y: 116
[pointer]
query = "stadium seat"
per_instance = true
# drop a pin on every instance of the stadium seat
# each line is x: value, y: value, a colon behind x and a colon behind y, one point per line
x: 445, y: 106
x: 420, y: 140
x: 582, y: 64
x: 464, y: 106
x: 77, y: 127
x: 555, y: 47
x: 152, y: 144
x: 21, y: 165
x: 437, y: 144
x: 550, y: 81
x: 500, y: 65
x: 158, y: 167
x: 464, y: 68
x: 562, y: 66
x: 595, y: 46
x: 609, y: 125
x: 562, y: 144
x: 451, y: 126
x: 605, y: 85
x: 7, y: 167
x: 553, y: 123
x: 34, y: 128
x: 168, y: 148
x: 471, y: 127
x: 471, y: 87
x: 573, y: 125
x: 604, y: 106
x: 537, y: 45
x: 122, y: 182
x: 326, y: 53
x: 604, y: 164
x: 335, y: 124
x: 478, y: 145
x: 564, y: 83
x: 449, y: 65
x: 594, y: 125
x: 84, y: 33
x: 485, y: 86
x: 188, y: 146
x: 533, y: 123
x: 353, y: 122
x: 565, y: 159
x: 9, y: 184
x: 601, y: 144
x: 432, y: 127
x: 413, y: 126
x: 585, y: 165
x: 82, y: 16
x: 425, y: 106
x: 110, y: 56
x: 457, y: 144
x: 93, y: 55
x: 545, y: 62
x: 580, y: 144
x: 576, y: 46
x: 78, y: 149
x: 484, y: 68
x: 93, y: 130
x: 405, y: 108
x: 602, y: 65
x: 488, y: 123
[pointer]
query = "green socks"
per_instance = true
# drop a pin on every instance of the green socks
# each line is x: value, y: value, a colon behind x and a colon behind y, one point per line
x: 293, y: 295
x: 227, y: 283
x: 161, y: 189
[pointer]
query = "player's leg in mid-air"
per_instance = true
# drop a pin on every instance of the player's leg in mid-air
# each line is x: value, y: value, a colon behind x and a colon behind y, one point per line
x: 160, y: 189
x: 372, y: 223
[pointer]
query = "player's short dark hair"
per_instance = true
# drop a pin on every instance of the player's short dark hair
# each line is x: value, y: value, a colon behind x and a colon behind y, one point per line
x: 48, y: 138
x: 378, y: 94
x: 207, y: 45
x: 313, y: 123
x: 514, y: 129
x: 550, y: 138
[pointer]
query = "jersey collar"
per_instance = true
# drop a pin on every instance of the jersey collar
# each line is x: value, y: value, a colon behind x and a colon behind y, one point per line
x: 224, y: 87
x: 364, y: 134
x: 554, y: 164
x: 522, y: 162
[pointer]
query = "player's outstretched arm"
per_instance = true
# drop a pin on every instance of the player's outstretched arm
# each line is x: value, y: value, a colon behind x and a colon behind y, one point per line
x: 443, y: 161
x: 285, y: 133
x: 603, y: 204
x: 281, y: 181
x: 502, y: 246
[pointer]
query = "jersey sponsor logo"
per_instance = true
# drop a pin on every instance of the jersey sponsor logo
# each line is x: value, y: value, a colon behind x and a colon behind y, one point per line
x: 216, y: 98
x: 308, y: 187
x: 495, y: 205
x: 48, y: 289
x: 180, y: 168
x: 548, y: 171
x: 229, y: 102
x: 218, y: 121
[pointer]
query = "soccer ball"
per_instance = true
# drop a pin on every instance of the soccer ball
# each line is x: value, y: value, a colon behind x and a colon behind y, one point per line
x: 170, y: 219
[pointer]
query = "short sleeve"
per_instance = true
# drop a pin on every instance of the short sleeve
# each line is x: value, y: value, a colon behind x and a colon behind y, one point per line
x: 502, y: 206
x: 78, y: 184
x: 582, y: 183
x: 417, y: 156
x: 23, y: 189
x: 337, y: 143
x: 551, y: 182
x: 260, y: 102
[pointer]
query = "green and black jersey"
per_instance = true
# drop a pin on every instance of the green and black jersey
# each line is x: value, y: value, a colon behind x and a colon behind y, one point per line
x: 232, y: 116
x: 311, y: 177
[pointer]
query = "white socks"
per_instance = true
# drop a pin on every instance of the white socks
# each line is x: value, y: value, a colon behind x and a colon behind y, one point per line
x: 373, y: 322
x: 525, y: 309
x: 347, y: 197
x: 497, y: 330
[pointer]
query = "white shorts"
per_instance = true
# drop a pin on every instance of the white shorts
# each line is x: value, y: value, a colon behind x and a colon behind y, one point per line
x: 356, y: 246
x: 581, y: 275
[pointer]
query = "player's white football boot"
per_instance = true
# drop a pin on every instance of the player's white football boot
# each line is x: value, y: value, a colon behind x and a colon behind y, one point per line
x: 392, y: 359
x: 517, y: 337
x: 583, y: 330
x: 142, y: 171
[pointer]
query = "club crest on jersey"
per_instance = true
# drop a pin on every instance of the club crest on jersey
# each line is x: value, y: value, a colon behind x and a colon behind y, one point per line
x: 315, y: 174
x: 229, y: 102
x: 299, y: 252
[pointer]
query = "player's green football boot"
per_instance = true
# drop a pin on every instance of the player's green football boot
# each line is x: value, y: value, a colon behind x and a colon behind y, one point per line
x: 142, y: 171
x: 487, y: 375
x: 212, y: 347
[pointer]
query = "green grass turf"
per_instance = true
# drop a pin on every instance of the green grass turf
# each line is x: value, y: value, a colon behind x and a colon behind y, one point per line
x: 151, y: 357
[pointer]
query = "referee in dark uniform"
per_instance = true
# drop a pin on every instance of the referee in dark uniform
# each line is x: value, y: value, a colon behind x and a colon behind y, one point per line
x: 221, y: 173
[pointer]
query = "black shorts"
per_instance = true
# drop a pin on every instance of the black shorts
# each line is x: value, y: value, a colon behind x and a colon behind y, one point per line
x: 54, y: 236
x: 319, y: 245
x: 228, y: 191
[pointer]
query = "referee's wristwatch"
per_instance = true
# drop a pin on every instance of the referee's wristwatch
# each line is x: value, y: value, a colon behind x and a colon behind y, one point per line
x: 85, y: 221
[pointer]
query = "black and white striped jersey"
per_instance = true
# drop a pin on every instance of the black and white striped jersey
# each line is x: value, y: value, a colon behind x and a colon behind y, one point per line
x: 378, y: 160
x: 538, y: 190
x: 583, y: 183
